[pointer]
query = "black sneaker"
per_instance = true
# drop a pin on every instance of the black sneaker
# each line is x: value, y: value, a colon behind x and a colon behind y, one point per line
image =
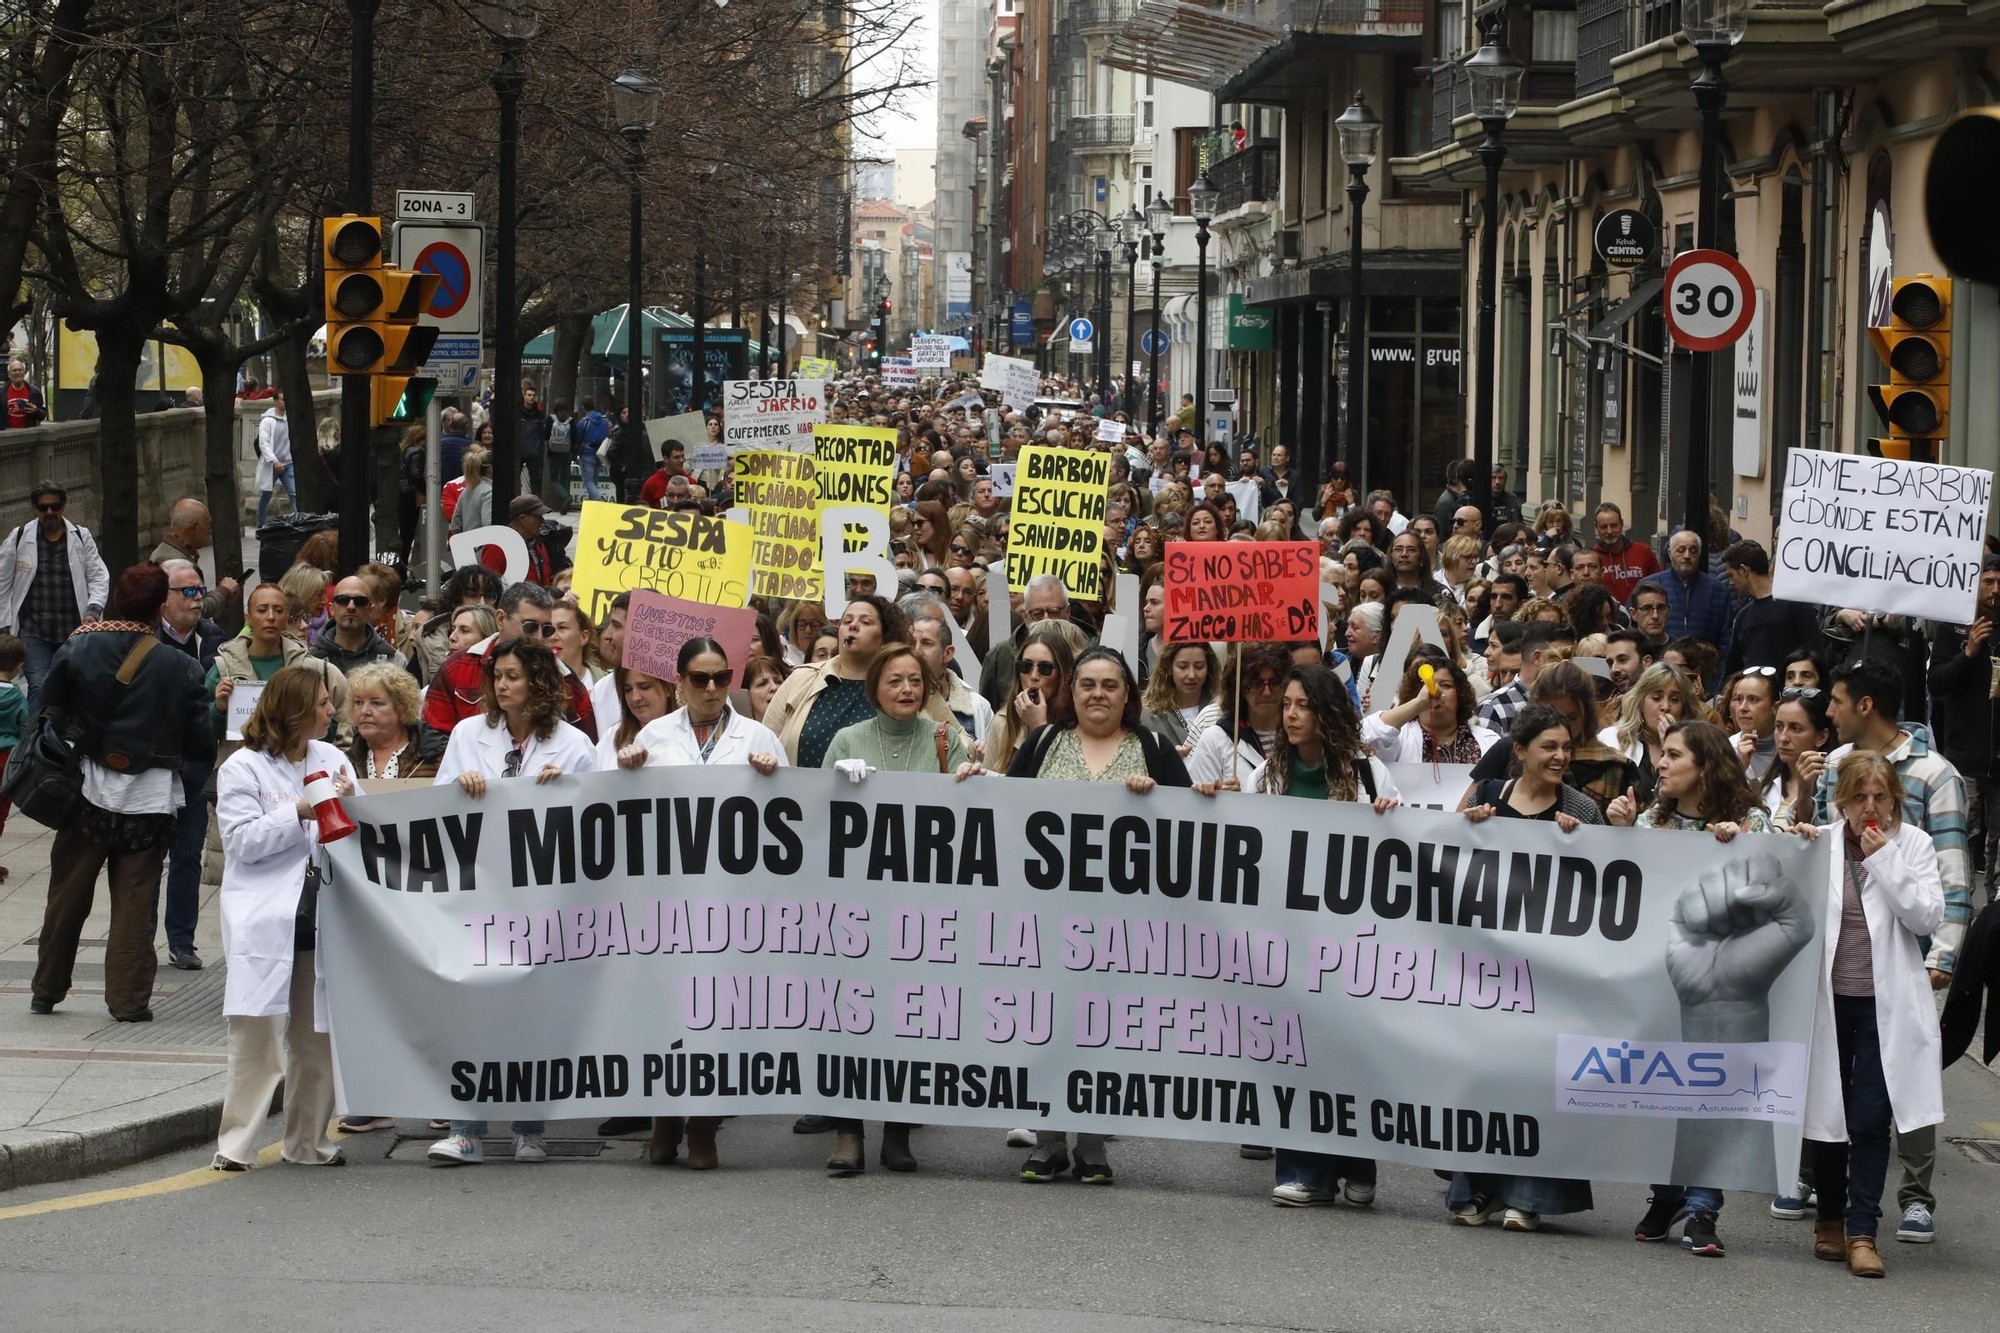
x: 813, y: 1124
x: 1046, y: 1163
x: 37, y: 1005
x: 185, y: 960
x: 1091, y: 1171
x: 1658, y: 1223
x: 1698, y: 1236
x: 623, y: 1124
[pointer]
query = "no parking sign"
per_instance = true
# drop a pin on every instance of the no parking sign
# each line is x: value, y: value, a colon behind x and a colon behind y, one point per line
x: 457, y: 255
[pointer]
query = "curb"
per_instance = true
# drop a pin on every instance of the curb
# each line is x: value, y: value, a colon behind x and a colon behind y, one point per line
x: 35, y: 1156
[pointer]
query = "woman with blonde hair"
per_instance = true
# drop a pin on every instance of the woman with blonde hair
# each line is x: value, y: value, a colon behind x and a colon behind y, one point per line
x: 475, y: 502
x: 1182, y: 684
x: 265, y: 807
x: 1660, y: 697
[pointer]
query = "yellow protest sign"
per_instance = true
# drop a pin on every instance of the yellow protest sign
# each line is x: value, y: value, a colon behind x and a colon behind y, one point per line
x: 780, y: 500
x: 623, y: 548
x: 1058, y: 519
x: 854, y: 465
x: 817, y: 368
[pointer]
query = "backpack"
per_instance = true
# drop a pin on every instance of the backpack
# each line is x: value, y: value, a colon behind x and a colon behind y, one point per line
x: 559, y: 435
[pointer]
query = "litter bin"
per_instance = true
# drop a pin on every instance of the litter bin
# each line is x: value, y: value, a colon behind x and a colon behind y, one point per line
x: 279, y: 540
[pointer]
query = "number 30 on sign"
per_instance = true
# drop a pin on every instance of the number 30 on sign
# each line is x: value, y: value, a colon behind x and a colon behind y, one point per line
x: 1709, y: 300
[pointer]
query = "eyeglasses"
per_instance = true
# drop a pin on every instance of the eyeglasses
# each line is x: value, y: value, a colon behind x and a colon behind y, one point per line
x: 352, y: 599
x: 512, y: 763
x: 960, y: 548
x: 1797, y: 692
x: 194, y: 594
x: 710, y: 680
x: 545, y: 628
x: 1043, y: 669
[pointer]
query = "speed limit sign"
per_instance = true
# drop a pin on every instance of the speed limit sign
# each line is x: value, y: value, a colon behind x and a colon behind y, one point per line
x: 1709, y: 300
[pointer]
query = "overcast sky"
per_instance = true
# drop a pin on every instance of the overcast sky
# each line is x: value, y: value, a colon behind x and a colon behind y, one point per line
x: 914, y: 124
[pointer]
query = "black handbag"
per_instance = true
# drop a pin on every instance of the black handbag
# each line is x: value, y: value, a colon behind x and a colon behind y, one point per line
x: 44, y: 774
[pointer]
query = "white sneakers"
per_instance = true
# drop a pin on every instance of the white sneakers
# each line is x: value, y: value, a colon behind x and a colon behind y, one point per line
x: 1303, y: 1196
x: 1358, y: 1193
x: 1020, y: 1138
x: 530, y: 1148
x: 457, y: 1150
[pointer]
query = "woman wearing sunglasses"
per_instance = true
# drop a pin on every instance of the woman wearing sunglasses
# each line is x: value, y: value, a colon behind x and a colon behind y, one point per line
x: 1751, y: 700
x: 519, y: 732
x: 1039, y: 692
x: 705, y: 731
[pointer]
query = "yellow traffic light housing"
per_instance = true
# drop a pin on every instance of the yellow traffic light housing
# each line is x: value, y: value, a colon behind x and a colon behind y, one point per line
x: 1916, y: 347
x: 399, y: 398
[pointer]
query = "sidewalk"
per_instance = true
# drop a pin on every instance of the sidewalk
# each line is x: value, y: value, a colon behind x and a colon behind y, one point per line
x: 80, y: 1093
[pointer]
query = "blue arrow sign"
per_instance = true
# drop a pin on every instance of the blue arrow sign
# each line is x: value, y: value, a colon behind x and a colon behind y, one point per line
x: 1153, y: 343
x: 1080, y: 330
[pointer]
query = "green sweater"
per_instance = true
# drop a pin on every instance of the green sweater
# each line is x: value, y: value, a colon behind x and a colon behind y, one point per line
x: 896, y: 747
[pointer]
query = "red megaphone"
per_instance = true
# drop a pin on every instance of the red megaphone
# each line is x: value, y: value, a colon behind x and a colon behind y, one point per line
x: 333, y: 821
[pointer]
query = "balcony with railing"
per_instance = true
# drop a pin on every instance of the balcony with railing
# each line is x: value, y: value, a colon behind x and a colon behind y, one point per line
x: 1248, y: 176
x: 1094, y: 16
x: 1099, y: 134
x: 1336, y: 16
x: 1451, y: 97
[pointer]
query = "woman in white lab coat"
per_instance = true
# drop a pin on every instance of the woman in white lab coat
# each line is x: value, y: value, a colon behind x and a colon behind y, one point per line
x: 1875, y: 1047
x: 268, y: 832
x: 705, y: 731
x: 519, y: 732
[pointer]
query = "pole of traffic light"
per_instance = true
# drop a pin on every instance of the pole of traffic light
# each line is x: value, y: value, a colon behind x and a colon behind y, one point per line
x: 506, y: 461
x: 357, y: 392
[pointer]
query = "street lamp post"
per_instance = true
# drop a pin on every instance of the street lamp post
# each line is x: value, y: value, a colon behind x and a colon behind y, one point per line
x: 1102, y: 238
x: 1360, y: 132
x: 1495, y: 76
x: 1159, y: 214
x: 1713, y: 26
x: 1201, y: 203
x: 1132, y: 226
x: 517, y: 27
x: 635, y: 102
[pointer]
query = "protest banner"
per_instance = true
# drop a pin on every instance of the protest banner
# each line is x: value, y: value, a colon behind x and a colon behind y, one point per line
x: 690, y: 428
x: 1015, y: 378
x: 930, y: 351
x: 771, y: 414
x: 623, y: 548
x: 1881, y: 534
x: 897, y: 372
x: 1241, y: 592
x: 657, y: 625
x: 1058, y: 519
x: 817, y: 368
x: 1110, y: 431
x: 779, y: 500
x: 1409, y: 987
x: 1002, y: 475
x: 1432, y: 786
x: 854, y: 465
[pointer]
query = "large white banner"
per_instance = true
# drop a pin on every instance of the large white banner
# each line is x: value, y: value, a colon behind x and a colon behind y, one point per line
x: 1607, y: 1004
x: 1014, y: 377
x: 772, y: 414
x: 1882, y: 534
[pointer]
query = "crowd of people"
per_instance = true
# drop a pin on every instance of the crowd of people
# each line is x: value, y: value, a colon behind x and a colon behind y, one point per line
x: 1583, y: 682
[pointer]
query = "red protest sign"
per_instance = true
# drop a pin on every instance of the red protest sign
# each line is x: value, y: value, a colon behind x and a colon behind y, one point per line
x: 656, y: 626
x: 1240, y: 592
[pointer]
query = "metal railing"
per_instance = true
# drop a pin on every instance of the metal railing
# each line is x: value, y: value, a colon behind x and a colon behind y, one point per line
x: 1451, y: 97
x: 1337, y: 15
x: 1099, y: 132
x: 1602, y: 34
x: 1250, y: 176
x: 1096, y: 15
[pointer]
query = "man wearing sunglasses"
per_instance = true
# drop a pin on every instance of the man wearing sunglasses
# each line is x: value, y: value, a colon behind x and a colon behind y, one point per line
x: 185, y: 629
x: 526, y: 611
x: 349, y: 639
x: 51, y: 580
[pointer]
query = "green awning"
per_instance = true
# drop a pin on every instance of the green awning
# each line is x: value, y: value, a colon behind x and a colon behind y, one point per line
x: 608, y: 338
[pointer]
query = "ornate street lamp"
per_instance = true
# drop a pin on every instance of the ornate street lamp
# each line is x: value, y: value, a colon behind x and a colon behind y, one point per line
x: 1360, y: 131
x: 635, y: 105
x: 1201, y: 204
x: 1495, y: 78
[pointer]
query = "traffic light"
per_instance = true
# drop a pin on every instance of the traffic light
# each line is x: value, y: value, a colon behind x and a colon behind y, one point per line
x: 1916, y: 347
x: 400, y: 398
x: 371, y: 307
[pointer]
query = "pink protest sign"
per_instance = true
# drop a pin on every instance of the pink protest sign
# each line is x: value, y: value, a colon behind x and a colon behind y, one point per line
x: 656, y: 626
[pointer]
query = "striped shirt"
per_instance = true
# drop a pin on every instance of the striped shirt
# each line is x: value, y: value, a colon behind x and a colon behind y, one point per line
x: 1934, y: 801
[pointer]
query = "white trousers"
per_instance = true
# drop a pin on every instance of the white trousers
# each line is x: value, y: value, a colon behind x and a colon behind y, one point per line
x: 265, y: 1051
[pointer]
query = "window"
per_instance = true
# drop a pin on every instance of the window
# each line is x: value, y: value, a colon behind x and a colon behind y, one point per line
x: 1146, y: 115
x: 1451, y: 29
x: 1554, y: 39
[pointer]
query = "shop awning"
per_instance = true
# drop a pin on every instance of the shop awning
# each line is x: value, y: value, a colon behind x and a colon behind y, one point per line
x: 1188, y: 43
x: 1621, y: 314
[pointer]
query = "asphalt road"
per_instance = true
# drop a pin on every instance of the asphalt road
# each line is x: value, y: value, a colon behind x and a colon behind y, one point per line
x: 1186, y: 1239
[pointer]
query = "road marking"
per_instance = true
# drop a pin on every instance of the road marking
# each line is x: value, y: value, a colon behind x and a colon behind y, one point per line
x: 186, y: 1180
x: 1990, y: 1127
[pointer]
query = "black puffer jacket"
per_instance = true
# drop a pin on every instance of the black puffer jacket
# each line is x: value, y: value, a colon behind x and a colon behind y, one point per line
x: 160, y: 720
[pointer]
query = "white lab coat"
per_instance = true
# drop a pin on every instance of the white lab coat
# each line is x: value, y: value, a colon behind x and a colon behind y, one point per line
x: 670, y: 743
x: 274, y: 448
x: 264, y: 852
x: 1405, y: 744
x: 1903, y: 899
x: 479, y: 746
x: 21, y: 557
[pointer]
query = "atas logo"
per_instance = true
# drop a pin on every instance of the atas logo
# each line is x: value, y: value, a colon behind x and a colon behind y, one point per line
x: 1716, y: 1080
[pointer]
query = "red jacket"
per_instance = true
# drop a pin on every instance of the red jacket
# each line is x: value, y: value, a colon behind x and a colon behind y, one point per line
x: 654, y: 493
x: 1624, y: 570
x: 458, y: 690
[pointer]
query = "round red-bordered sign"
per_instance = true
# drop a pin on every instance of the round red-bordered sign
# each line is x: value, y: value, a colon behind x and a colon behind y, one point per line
x: 454, y: 277
x: 1709, y: 300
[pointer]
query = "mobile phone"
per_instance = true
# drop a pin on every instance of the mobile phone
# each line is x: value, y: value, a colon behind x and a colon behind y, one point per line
x: 244, y: 578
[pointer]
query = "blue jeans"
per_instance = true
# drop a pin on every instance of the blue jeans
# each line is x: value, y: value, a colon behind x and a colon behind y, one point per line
x: 289, y: 480
x: 40, y: 654
x: 589, y: 462
x: 1698, y: 1198
x: 1849, y: 1176
x: 183, y: 891
x: 477, y: 1128
x: 1321, y: 1172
